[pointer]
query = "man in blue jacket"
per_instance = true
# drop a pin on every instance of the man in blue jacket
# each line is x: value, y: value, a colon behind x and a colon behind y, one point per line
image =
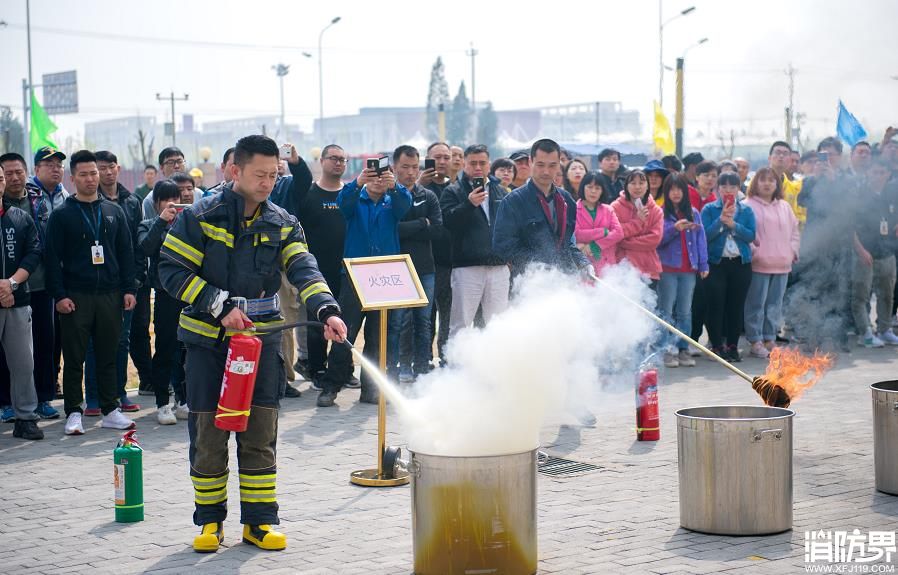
x: 373, y: 205
x: 535, y: 223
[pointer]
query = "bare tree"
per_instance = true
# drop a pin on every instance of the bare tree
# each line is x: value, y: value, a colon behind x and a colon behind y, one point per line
x: 727, y: 149
x: 142, y: 152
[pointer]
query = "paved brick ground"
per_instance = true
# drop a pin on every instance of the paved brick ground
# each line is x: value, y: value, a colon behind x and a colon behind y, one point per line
x: 56, y: 496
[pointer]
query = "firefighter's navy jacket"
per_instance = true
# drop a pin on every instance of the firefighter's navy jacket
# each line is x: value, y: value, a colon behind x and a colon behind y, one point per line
x: 212, y: 247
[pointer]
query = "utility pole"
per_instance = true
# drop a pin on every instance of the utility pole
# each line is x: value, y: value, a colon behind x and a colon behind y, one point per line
x: 473, y: 54
x: 171, y: 97
x: 323, y: 135
x: 281, y: 70
x: 790, y: 110
x: 29, y: 89
x: 597, y: 123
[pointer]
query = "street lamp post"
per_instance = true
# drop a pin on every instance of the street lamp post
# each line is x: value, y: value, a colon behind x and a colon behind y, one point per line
x: 678, y: 121
x: 661, y: 25
x: 321, y: 79
x: 281, y: 70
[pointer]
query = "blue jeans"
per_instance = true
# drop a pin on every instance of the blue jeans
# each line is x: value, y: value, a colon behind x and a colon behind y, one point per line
x: 415, y: 343
x: 675, y: 304
x: 121, y: 364
x: 764, y: 306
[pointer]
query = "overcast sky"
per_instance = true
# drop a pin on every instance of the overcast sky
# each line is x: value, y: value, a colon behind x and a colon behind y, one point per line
x: 530, y: 54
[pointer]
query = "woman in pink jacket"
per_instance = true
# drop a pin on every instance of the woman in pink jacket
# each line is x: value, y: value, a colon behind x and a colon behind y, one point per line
x: 597, y: 230
x: 773, y: 252
x: 643, y: 225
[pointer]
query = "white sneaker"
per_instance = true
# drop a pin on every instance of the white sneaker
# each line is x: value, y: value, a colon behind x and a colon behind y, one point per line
x: 758, y: 350
x: 888, y: 337
x: 670, y: 360
x: 870, y: 340
x: 164, y: 415
x: 73, y: 424
x: 117, y: 420
x: 182, y: 411
x: 685, y: 359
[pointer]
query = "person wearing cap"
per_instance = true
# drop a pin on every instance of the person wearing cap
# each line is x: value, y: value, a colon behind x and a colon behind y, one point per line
x: 521, y: 160
x: 656, y: 173
x: 28, y: 198
x: 197, y: 175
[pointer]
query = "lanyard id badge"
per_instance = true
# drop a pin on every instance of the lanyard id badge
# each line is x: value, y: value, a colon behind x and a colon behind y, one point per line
x: 96, y: 254
x: 883, y: 227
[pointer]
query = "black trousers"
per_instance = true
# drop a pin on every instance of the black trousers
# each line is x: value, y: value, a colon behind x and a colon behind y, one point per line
x: 97, y: 316
x: 442, y: 296
x: 726, y: 288
x: 699, y: 307
x: 167, y: 310
x: 256, y: 447
x: 140, y: 338
x: 339, y: 360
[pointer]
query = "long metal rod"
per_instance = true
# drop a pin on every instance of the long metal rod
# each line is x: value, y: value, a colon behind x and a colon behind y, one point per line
x: 675, y: 331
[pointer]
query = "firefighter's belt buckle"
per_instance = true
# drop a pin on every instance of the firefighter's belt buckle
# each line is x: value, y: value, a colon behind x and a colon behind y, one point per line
x: 240, y: 303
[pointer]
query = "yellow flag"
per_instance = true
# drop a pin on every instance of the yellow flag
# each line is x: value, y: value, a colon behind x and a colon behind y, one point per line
x: 662, y: 135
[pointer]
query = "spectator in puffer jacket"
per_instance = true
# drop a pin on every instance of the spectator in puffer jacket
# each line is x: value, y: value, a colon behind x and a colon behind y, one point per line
x: 597, y: 230
x: 642, y: 223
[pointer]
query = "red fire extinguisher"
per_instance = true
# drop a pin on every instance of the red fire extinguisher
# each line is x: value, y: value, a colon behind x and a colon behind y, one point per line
x: 648, y: 421
x: 238, y: 383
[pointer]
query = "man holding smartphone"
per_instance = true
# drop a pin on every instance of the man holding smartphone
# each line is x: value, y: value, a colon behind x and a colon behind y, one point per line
x: 480, y: 277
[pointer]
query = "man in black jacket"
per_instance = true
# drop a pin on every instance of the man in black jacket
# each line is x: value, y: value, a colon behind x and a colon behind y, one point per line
x: 536, y: 222
x: 90, y: 274
x: 437, y: 180
x: 113, y: 191
x: 420, y: 226
x: 20, y: 255
x: 480, y: 277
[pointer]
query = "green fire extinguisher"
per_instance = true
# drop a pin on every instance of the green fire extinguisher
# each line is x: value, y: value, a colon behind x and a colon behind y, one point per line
x: 128, y: 476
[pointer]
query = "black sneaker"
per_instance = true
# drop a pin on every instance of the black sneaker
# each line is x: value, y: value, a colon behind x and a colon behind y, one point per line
x: 27, y: 429
x: 326, y: 398
x: 291, y: 391
x: 353, y: 383
x: 315, y: 384
x: 732, y: 354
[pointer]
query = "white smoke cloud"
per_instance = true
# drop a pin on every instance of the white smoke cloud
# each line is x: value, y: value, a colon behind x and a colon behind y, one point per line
x: 537, y: 361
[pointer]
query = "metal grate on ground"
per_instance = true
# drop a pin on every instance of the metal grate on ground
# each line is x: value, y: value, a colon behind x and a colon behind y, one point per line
x: 558, y: 467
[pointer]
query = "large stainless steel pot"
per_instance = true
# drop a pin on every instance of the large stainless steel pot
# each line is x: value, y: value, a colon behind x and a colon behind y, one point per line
x: 474, y: 514
x: 735, y: 468
x: 885, y: 435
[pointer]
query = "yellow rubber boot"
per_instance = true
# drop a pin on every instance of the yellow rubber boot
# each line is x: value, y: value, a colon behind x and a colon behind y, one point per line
x: 209, y: 538
x: 264, y: 537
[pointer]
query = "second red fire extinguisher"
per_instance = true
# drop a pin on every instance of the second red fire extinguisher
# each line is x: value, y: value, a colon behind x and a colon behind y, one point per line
x: 648, y: 420
x: 238, y: 383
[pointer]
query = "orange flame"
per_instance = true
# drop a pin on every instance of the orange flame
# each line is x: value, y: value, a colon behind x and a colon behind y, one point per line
x: 794, y: 372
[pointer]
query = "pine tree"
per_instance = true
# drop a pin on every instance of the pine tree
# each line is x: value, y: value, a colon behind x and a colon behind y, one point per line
x: 488, y: 128
x: 437, y: 94
x: 459, y: 118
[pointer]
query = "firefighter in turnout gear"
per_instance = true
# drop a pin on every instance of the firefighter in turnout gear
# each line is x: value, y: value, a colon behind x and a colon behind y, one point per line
x: 224, y: 257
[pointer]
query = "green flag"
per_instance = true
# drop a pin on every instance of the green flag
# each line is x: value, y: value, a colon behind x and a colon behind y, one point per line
x: 41, y: 127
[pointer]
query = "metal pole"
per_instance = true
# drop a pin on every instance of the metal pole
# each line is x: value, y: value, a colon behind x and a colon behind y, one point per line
x: 26, y: 111
x: 597, y: 123
x: 321, y: 139
x: 678, y: 122
x: 173, y: 130
x: 284, y: 136
x: 25, y: 119
x: 382, y: 401
x: 323, y: 136
x: 660, y: 58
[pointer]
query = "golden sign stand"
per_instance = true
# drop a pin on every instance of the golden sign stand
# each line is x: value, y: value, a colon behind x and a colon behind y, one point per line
x: 355, y: 269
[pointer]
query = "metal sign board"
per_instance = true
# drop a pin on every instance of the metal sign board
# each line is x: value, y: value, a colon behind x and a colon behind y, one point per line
x: 61, y: 92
